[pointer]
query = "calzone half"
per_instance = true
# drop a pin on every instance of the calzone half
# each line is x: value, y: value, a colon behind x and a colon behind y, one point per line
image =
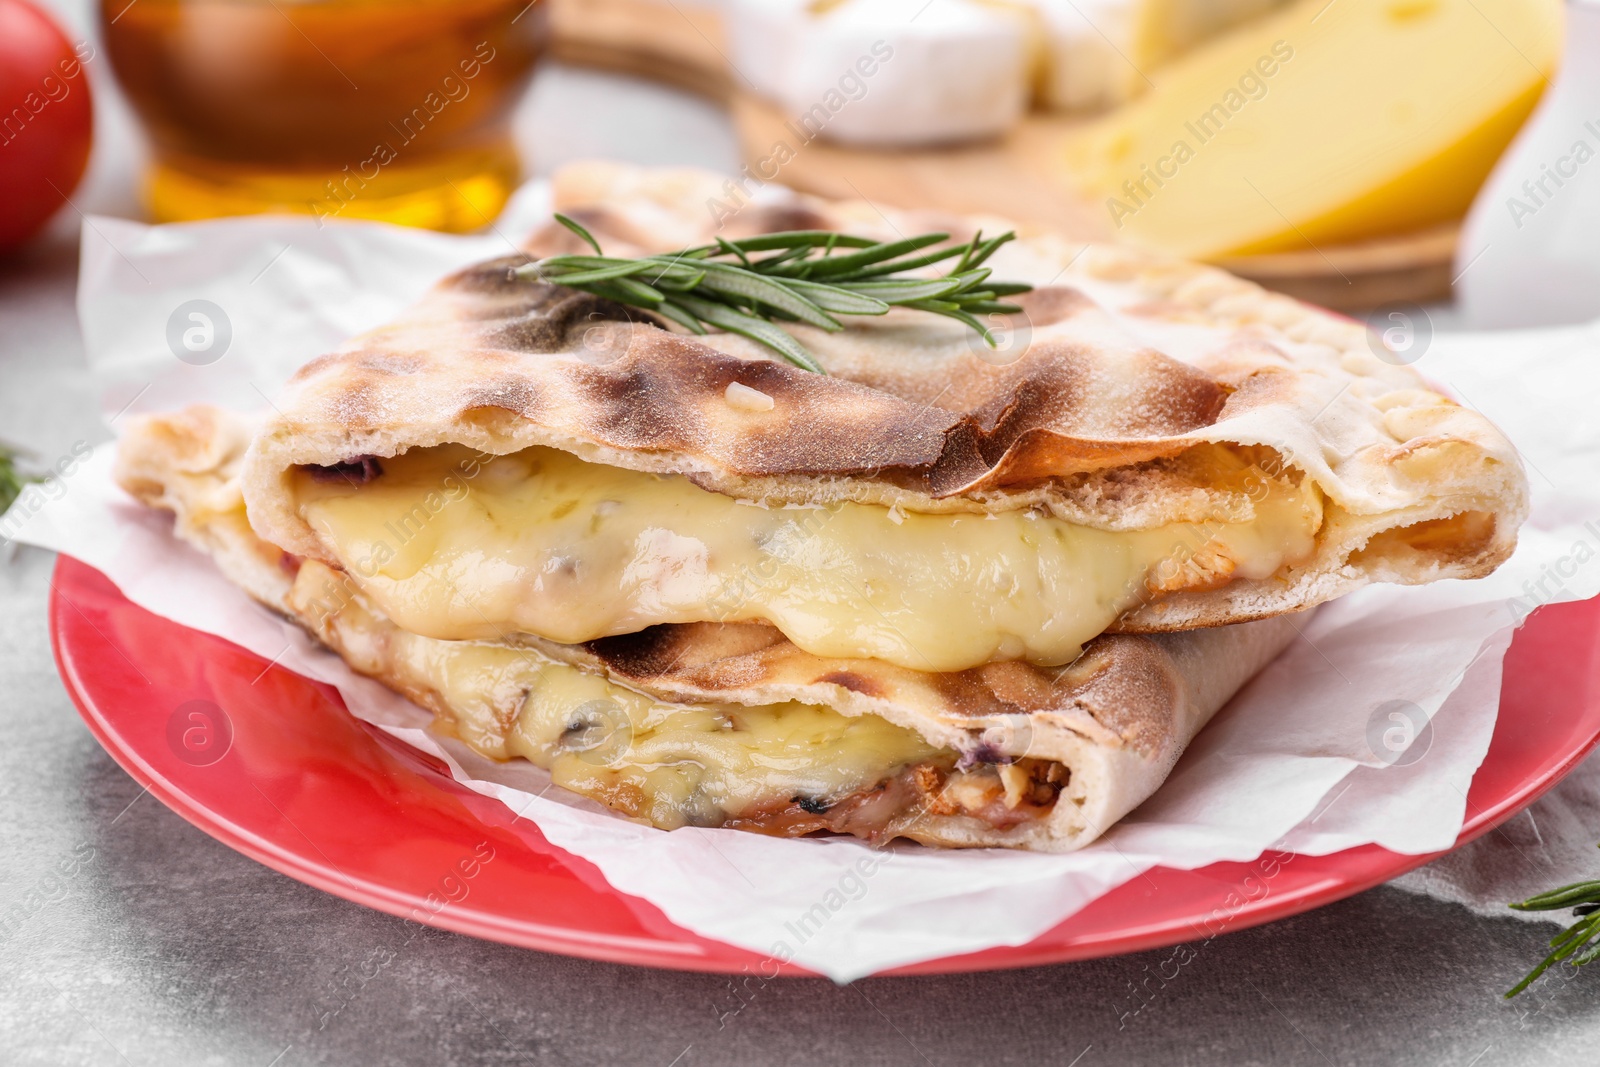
x: 962, y: 595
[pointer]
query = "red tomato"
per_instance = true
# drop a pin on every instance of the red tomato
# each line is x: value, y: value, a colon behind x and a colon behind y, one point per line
x: 46, y: 120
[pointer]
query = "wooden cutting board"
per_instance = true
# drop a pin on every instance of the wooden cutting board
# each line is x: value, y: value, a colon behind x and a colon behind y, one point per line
x: 1015, y: 176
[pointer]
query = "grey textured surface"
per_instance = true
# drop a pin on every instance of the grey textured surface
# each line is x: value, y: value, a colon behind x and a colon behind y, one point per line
x: 162, y: 946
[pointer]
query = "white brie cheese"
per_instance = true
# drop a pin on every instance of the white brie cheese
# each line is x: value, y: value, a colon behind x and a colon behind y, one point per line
x: 1098, y: 53
x: 1087, y: 53
x: 763, y: 36
x: 914, y: 72
x: 887, y: 72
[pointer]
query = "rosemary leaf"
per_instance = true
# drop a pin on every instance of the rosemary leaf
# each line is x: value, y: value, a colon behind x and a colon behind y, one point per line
x: 680, y: 315
x: 679, y: 282
x: 1565, y: 897
x: 971, y: 320
x: 720, y: 285
x: 1573, y: 944
x: 791, y: 239
x: 938, y: 307
x: 12, y: 481
x: 767, y: 333
x: 928, y: 259
x: 734, y: 250
x: 753, y: 287
x: 600, y: 274
x: 573, y: 263
x: 899, y: 292
x: 831, y: 265
x: 638, y: 293
x: 783, y: 262
x: 578, y: 229
x: 990, y: 307
x: 843, y: 301
x: 971, y: 279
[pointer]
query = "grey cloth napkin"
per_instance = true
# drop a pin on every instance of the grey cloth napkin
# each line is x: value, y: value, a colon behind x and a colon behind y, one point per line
x: 1551, y: 843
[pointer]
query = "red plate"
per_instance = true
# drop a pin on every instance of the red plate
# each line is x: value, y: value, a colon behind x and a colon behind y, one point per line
x: 270, y: 764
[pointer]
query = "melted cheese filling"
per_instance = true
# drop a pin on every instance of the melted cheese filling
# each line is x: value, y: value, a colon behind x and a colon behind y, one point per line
x: 669, y: 764
x: 455, y: 546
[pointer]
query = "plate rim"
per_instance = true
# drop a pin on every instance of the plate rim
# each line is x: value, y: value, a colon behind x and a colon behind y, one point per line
x: 687, y: 950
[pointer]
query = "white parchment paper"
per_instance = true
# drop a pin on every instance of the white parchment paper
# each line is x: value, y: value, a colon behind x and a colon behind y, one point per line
x: 1367, y: 729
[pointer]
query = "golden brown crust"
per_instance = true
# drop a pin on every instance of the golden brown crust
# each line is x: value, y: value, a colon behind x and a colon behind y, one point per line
x: 1120, y: 692
x: 1135, y: 370
x: 1133, y: 364
x: 1115, y: 720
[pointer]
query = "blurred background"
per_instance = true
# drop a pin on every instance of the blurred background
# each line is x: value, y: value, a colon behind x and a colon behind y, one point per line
x: 1424, y: 165
x: 1356, y: 153
x: 550, y: 116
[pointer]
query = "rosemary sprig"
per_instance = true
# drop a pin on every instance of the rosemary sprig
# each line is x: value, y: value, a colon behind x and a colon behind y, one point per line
x: 724, y: 285
x: 12, y: 481
x: 1574, y: 944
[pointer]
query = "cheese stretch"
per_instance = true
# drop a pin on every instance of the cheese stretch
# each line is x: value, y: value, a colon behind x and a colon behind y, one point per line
x: 1321, y: 124
x: 541, y: 542
x: 669, y: 764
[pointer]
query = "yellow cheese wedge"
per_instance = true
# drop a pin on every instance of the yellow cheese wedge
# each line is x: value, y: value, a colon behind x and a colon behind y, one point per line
x: 1321, y: 124
x: 1164, y: 29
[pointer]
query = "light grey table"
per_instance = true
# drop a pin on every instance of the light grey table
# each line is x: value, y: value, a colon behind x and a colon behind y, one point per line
x: 165, y: 947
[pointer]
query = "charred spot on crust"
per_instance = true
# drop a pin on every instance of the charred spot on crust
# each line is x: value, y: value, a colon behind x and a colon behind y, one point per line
x: 650, y: 651
x: 712, y: 655
x: 357, y: 471
x: 526, y: 315
x: 854, y: 682
x: 966, y: 693
x: 777, y: 218
x: 811, y: 804
x: 508, y: 392
x: 542, y: 317
x: 492, y: 276
x: 314, y: 367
